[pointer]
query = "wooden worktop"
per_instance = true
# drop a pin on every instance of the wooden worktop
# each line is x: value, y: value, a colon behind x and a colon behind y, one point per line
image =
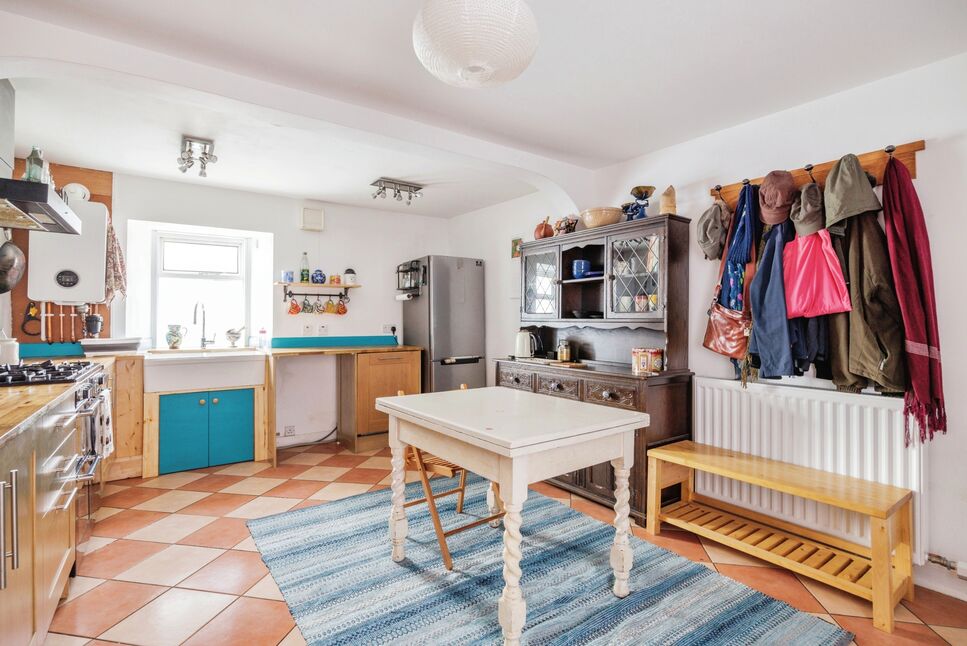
x: 286, y: 352
x: 22, y: 404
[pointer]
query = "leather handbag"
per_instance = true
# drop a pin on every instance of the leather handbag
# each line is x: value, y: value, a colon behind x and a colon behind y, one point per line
x: 728, y: 331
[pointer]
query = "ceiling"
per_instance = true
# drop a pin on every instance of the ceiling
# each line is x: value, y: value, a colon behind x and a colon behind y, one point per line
x: 126, y: 130
x: 610, y: 80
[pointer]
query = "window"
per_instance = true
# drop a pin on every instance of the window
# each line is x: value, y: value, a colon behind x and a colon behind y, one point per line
x: 196, y: 268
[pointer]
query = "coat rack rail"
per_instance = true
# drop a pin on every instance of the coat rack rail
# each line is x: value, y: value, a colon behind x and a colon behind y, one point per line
x: 873, y: 162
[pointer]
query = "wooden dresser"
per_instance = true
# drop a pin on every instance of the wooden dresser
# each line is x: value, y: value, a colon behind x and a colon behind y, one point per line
x: 667, y: 398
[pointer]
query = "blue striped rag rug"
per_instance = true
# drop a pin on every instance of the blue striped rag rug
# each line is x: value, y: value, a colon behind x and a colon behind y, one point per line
x: 332, y: 563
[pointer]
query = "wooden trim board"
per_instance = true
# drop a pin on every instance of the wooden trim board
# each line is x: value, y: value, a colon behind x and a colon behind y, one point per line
x: 873, y: 162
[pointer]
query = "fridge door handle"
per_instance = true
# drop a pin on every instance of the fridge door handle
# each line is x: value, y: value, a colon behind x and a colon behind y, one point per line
x: 452, y: 361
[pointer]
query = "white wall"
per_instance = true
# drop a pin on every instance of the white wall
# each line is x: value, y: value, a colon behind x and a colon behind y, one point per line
x: 370, y: 241
x: 487, y: 234
x: 929, y: 103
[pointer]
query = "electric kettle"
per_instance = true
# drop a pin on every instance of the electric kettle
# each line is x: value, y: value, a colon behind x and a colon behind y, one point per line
x: 526, y: 342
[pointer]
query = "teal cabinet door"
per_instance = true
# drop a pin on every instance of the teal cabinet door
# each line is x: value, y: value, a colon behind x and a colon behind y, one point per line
x: 231, y: 426
x: 182, y: 432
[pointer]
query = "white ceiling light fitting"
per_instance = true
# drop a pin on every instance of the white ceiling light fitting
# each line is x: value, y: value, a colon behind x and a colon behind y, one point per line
x: 192, y: 149
x: 400, y: 190
x: 475, y: 43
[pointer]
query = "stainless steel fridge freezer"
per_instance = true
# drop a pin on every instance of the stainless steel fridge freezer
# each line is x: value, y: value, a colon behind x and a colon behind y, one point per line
x: 445, y: 316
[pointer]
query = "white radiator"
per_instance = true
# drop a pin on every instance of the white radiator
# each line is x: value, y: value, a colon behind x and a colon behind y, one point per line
x: 855, y: 435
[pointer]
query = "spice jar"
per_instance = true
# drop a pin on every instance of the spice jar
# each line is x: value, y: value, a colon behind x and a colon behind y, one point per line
x: 563, y: 350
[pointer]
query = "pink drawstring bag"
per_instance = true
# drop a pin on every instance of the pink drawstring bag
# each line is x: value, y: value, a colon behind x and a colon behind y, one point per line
x: 813, y: 278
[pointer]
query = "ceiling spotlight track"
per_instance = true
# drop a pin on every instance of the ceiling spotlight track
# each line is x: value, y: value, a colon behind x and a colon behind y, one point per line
x: 400, y: 190
x: 195, y: 149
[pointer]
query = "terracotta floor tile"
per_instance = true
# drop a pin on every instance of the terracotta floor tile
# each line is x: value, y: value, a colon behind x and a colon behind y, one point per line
x: 593, y: 509
x: 91, y: 614
x: 379, y: 487
x: 284, y: 471
x: 217, y: 504
x: 109, y: 561
x: 247, y: 545
x: 322, y: 474
x: 78, y: 585
x: 955, y: 636
x: 345, y: 460
x: 294, y: 638
x: 327, y: 447
x: 305, y: 459
x: 94, y: 543
x: 308, y: 503
x: 129, y: 482
x: 779, y: 584
x: 266, y: 588
x: 385, y: 453
x: 903, y: 633
x: 231, y: 573
x: 837, y: 602
x: 550, y: 491
x: 377, y: 462
x: 172, y: 480
x: 223, y: 533
x: 361, y: 475
x: 721, y: 554
x: 172, y: 500
x: 171, y: 529
x: 121, y: 524
x: 56, y: 639
x: 339, y: 490
x: 264, y: 506
x: 253, y: 622
x: 171, y: 565
x: 254, y: 486
x: 212, y: 483
x: 936, y: 608
x: 170, y: 619
x: 295, y: 489
x: 682, y: 543
x: 244, y: 469
x: 130, y: 496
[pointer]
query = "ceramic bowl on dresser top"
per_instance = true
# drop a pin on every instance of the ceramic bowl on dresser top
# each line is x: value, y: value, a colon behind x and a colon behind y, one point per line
x: 601, y: 216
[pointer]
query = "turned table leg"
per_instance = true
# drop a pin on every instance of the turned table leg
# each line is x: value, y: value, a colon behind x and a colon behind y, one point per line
x: 621, y: 552
x: 397, y: 518
x: 511, y: 609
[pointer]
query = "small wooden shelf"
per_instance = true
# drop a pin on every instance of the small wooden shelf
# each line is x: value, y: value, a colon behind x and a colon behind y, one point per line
x: 589, y: 279
x: 838, y: 568
x: 321, y: 285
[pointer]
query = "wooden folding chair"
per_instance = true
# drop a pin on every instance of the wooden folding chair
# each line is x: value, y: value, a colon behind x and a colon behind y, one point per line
x: 429, y: 465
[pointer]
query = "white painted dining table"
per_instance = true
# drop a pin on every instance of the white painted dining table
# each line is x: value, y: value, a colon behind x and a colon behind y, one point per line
x: 514, y: 438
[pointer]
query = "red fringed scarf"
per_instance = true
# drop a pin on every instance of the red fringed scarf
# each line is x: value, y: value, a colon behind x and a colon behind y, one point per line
x: 906, y: 235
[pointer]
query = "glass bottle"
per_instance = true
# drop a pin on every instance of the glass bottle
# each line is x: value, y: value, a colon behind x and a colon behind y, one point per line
x: 34, y: 167
x: 304, y: 274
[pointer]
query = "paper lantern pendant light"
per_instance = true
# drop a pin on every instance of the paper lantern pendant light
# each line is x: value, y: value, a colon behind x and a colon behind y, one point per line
x: 475, y: 43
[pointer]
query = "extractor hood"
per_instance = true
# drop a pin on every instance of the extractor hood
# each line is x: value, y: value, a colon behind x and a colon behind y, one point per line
x: 35, y: 206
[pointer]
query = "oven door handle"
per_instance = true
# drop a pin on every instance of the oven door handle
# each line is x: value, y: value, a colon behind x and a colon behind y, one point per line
x: 70, y: 499
x: 87, y: 476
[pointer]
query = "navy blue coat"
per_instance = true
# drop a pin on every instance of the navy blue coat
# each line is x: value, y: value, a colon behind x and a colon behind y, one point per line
x: 771, y: 331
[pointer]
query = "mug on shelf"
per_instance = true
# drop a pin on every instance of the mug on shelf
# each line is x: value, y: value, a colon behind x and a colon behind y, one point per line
x: 580, y: 268
x: 288, y: 276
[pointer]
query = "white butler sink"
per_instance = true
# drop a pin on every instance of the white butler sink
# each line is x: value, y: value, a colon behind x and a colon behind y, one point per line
x: 202, y: 370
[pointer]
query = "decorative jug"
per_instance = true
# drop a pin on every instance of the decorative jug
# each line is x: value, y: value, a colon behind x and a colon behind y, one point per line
x: 175, y: 335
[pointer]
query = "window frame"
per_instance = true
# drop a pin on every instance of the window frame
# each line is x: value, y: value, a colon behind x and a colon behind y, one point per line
x: 244, y: 275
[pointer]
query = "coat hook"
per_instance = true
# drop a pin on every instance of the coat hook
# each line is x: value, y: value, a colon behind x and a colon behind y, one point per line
x: 809, y: 171
x: 889, y: 150
x: 745, y: 182
x: 718, y: 189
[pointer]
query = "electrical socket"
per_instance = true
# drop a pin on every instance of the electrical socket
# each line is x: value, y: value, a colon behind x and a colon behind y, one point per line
x: 323, y: 329
x: 289, y: 431
x: 389, y: 328
x: 307, y: 329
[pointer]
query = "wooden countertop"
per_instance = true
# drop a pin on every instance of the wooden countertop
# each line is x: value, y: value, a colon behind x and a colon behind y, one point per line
x: 288, y: 352
x: 21, y: 404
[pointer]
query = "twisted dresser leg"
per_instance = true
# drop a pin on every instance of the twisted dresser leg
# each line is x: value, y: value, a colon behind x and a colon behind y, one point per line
x: 397, y: 518
x: 511, y: 609
x: 621, y: 554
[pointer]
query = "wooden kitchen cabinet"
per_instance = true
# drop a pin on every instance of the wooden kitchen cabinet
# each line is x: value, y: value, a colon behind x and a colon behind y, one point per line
x: 205, y: 428
x: 16, y: 592
x: 666, y: 398
x: 362, y: 378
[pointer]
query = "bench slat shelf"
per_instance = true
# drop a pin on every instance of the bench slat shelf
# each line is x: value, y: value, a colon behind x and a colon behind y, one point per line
x: 882, y: 573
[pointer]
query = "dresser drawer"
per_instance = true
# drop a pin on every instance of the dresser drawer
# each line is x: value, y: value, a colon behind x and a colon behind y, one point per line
x: 558, y: 386
x: 512, y: 378
x: 610, y: 394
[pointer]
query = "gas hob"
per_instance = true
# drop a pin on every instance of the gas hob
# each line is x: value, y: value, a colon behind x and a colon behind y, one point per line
x: 48, y: 372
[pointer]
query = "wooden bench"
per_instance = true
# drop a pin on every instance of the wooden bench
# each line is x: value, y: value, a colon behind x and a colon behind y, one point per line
x: 881, y: 573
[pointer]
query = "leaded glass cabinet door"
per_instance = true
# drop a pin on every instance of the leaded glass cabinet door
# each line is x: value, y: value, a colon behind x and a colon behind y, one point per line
x: 636, y: 276
x: 540, y: 289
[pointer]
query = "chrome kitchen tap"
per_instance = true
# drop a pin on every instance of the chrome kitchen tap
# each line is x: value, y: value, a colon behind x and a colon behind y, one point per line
x: 204, y: 340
